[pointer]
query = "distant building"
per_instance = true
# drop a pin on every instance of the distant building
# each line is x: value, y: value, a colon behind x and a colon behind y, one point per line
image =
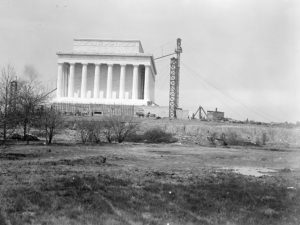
x: 215, y: 115
x: 109, y: 72
x: 105, y: 77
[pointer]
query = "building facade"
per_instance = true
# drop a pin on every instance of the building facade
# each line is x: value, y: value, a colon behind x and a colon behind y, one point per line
x: 106, y: 72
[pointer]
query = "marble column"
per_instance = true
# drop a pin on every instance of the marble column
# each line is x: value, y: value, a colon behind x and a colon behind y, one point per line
x: 62, y: 93
x: 83, y: 81
x: 59, y: 80
x: 147, y: 83
x: 97, y: 81
x: 122, y: 81
x: 135, y: 82
x: 71, y: 81
x: 109, y: 81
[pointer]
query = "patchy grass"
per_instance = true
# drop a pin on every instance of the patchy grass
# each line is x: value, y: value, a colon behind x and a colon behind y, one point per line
x: 137, y: 184
x: 215, y: 199
x: 196, y: 131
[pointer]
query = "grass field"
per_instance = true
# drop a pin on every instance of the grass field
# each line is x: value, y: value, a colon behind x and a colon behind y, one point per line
x: 197, y: 131
x: 148, y: 184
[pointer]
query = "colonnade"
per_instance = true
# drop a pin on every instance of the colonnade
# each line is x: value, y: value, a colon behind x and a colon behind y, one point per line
x: 62, y: 85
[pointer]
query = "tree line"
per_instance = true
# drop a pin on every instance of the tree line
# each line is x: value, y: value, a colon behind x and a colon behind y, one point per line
x: 24, y: 104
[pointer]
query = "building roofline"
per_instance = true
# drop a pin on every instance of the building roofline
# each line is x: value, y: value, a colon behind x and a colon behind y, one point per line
x: 92, y: 39
x: 215, y: 111
x: 109, y: 40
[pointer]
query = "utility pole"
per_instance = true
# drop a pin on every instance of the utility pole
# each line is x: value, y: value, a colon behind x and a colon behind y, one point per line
x: 174, y: 81
x: 13, y: 94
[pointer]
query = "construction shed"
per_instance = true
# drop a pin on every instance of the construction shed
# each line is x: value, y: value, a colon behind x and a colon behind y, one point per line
x: 215, y: 115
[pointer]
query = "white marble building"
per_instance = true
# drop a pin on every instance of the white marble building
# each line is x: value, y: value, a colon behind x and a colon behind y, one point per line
x: 106, y: 72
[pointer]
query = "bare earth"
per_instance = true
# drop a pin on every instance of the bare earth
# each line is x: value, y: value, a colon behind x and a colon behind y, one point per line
x: 148, y: 184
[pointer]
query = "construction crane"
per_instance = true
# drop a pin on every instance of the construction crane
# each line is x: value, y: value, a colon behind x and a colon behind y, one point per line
x: 199, y: 111
x: 174, y: 80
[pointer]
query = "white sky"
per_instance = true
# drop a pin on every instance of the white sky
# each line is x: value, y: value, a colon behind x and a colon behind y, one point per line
x: 241, y: 56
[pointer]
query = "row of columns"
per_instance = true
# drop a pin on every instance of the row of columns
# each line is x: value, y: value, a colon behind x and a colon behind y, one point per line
x: 83, y: 90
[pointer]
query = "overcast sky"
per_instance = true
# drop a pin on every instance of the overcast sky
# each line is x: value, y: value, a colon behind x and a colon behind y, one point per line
x: 241, y: 56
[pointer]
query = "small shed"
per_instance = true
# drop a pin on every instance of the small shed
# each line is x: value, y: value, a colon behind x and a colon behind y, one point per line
x: 215, y: 115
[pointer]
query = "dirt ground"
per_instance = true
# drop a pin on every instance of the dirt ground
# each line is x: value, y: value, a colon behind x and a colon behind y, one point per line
x: 148, y: 184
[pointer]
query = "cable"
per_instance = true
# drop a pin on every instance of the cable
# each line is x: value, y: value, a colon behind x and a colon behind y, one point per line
x: 165, y: 56
x: 265, y: 115
x: 221, y: 100
x: 161, y: 47
x: 226, y: 94
x: 210, y: 85
x: 164, y: 78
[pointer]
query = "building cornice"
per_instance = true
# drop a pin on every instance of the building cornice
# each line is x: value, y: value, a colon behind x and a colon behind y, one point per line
x: 125, y: 55
x: 105, y: 54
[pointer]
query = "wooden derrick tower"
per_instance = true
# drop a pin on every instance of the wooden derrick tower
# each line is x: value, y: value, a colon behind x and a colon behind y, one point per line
x: 174, y: 81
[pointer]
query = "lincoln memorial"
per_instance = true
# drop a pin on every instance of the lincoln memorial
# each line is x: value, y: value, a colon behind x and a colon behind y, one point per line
x: 106, y: 72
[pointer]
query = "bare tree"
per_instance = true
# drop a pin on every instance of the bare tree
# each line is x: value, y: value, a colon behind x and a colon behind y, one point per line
x: 8, y: 96
x: 50, y: 121
x: 31, y: 97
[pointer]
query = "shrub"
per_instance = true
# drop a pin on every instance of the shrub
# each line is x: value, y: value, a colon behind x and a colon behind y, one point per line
x: 232, y: 138
x: 38, y: 133
x: 117, y: 128
x: 2, y: 218
x: 261, y: 140
x: 16, y: 136
x: 224, y: 139
x: 30, y: 137
x: 89, y: 131
x: 135, y: 137
x: 112, y: 128
x: 212, y: 138
x: 20, y: 203
x: 264, y: 138
x: 157, y: 135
